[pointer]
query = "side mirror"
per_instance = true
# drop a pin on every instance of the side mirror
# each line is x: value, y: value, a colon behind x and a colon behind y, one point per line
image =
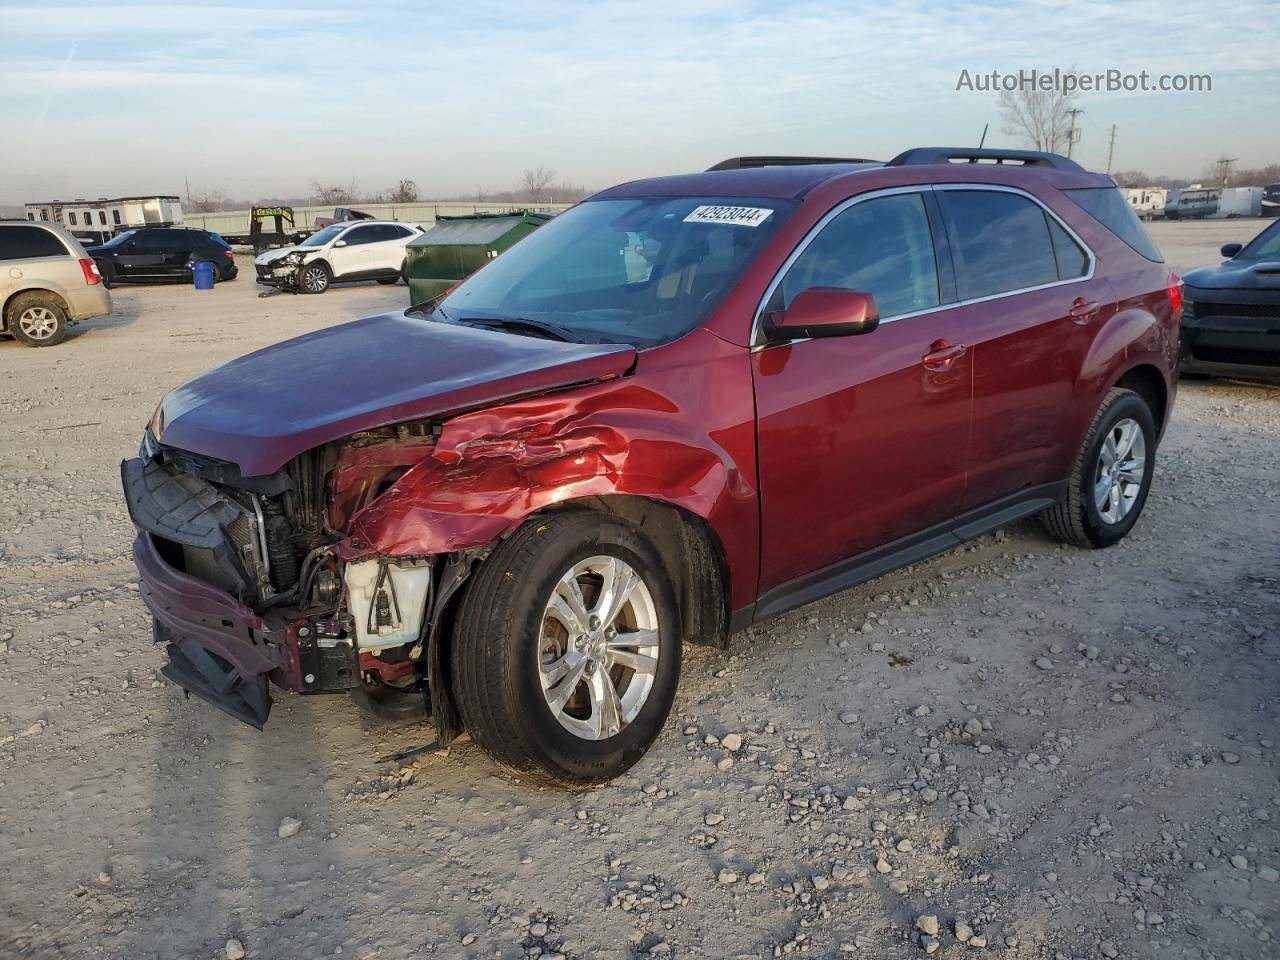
x: 825, y: 312
x: 1229, y: 250
x: 339, y: 243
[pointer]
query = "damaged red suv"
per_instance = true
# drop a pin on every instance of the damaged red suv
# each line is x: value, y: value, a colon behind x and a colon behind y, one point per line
x: 683, y: 406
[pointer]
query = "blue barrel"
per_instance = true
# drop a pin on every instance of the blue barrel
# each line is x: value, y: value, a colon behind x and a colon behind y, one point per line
x: 203, y: 273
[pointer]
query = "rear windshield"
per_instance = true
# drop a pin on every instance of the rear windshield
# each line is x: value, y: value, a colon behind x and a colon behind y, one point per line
x: 641, y: 271
x: 1108, y: 207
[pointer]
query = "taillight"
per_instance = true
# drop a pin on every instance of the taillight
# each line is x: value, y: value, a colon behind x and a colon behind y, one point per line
x: 229, y: 253
x: 91, y: 274
x: 1175, y: 294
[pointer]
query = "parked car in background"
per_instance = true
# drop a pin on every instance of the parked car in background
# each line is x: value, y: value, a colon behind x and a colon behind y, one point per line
x: 1271, y: 200
x: 357, y: 250
x: 48, y: 283
x: 1231, y: 312
x: 157, y: 254
x: 511, y: 508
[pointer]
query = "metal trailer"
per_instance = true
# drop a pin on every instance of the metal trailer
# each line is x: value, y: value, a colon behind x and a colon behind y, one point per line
x: 1147, y: 202
x: 1192, y: 203
x: 456, y: 247
x: 96, y: 221
x: 1240, y: 202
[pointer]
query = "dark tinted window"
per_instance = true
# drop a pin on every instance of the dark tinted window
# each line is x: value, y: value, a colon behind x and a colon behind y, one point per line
x: 21, y: 242
x: 883, y: 247
x: 1107, y: 206
x: 155, y: 240
x: 74, y: 221
x: 115, y: 216
x: 358, y: 235
x: 1001, y: 242
x: 1072, y: 260
x: 102, y: 216
x: 1264, y: 246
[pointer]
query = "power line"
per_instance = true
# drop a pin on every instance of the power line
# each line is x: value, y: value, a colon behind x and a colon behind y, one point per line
x: 1071, y: 131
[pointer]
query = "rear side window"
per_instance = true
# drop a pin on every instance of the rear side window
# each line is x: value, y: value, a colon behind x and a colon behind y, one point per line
x: 1107, y: 206
x: 1001, y: 242
x: 881, y: 246
x: 1072, y: 260
x: 22, y: 243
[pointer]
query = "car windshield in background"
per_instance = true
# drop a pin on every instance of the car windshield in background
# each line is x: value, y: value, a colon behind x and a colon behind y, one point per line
x: 322, y: 237
x: 639, y: 271
x: 1265, y: 246
x: 119, y: 238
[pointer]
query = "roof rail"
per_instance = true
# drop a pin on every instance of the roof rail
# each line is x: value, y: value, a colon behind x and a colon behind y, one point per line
x: 745, y: 163
x: 1026, y: 158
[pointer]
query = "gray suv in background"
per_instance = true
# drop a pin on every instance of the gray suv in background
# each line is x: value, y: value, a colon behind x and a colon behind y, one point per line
x: 47, y: 283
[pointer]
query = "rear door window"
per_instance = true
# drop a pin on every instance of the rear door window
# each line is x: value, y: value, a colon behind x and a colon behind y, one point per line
x: 1000, y: 240
x: 1107, y: 206
x: 359, y: 235
x: 22, y: 243
x: 882, y: 246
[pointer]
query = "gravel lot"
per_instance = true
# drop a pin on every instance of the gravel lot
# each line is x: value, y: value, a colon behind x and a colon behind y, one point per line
x: 1051, y: 752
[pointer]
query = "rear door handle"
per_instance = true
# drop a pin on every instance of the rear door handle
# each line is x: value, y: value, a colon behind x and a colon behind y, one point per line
x: 1082, y: 310
x: 942, y: 355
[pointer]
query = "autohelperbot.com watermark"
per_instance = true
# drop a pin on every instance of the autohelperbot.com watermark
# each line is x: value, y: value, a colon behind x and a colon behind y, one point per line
x: 1075, y: 81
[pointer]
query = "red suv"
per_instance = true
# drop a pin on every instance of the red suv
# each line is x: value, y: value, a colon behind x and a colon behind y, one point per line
x: 509, y: 508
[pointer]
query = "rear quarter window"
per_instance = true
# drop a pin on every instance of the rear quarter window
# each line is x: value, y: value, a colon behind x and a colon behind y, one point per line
x: 1108, y: 207
x: 22, y: 243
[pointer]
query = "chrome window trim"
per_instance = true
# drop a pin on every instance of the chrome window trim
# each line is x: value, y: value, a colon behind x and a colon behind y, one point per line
x: 758, y: 341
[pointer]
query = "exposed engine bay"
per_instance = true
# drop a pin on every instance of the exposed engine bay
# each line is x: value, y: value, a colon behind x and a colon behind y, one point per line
x: 270, y: 542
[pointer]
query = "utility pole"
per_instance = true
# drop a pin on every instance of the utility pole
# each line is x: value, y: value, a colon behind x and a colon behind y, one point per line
x: 1071, y: 130
x: 1111, y: 148
x: 1224, y: 168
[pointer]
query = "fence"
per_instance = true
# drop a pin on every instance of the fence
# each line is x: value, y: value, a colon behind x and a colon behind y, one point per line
x: 422, y: 212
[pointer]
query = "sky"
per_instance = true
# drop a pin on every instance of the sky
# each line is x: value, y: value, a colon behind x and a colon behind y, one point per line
x: 258, y: 100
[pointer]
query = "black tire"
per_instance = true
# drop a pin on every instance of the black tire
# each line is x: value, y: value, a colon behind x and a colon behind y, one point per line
x: 497, y: 641
x: 37, y: 319
x: 314, y: 277
x: 1077, y: 520
x: 388, y: 281
x: 108, y: 272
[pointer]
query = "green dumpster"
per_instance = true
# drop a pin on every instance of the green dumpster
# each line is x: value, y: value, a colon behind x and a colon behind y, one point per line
x: 458, y: 246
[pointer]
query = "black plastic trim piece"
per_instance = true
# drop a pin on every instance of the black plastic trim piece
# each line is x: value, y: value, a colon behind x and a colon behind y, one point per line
x: 751, y: 163
x: 1026, y: 158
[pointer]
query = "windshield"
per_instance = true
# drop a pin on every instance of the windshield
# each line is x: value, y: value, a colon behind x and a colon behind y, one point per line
x: 1265, y: 246
x: 119, y: 238
x: 322, y: 237
x: 640, y: 271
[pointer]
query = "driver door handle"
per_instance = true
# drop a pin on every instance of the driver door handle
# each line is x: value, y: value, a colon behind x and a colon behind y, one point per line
x: 942, y: 355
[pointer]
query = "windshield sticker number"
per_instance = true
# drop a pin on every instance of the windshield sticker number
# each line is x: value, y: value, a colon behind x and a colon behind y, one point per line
x: 739, y: 216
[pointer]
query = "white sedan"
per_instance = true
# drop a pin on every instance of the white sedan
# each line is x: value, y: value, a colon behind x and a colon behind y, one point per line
x: 359, y: 250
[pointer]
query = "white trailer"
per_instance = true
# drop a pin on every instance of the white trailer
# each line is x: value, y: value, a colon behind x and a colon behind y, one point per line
x: 1240, y: 202
x: 95, y: 221
x: 1147, y: 202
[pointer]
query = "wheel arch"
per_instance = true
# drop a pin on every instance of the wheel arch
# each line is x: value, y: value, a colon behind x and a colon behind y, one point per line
x: 45, y: 289
x: 1146, y: 380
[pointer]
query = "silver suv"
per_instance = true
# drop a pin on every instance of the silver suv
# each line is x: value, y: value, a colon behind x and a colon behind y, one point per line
x: 47, y: 283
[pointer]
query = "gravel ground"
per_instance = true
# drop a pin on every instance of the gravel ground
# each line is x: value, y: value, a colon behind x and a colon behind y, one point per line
x: 1041, y: 751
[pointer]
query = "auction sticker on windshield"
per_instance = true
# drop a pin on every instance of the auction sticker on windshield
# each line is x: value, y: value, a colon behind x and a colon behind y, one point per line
x: 741, y: 216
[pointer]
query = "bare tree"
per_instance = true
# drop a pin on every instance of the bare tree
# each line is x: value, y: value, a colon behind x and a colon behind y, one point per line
x: 536, y: 181
x: 406, y: 191
x: 1042, y: 118
x: 207, y: 201
x: 334, y: 193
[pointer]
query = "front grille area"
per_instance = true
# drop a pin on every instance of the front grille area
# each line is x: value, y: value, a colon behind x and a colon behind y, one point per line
x: 1264, y: 311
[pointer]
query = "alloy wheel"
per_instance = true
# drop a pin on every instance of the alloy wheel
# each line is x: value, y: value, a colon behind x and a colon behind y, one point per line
x: 1117, y: 479
x: 38, y: 323
x: 598, y: 652
x: 314, y: 279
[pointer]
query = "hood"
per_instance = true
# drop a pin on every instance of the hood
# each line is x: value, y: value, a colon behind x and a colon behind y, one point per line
x: 268, y: 256
x: 1237, y: 275
x: 264, y: 409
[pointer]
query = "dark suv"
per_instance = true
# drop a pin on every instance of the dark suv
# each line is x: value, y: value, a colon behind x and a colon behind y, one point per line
x: 162, y: 253
x: 510, y: 508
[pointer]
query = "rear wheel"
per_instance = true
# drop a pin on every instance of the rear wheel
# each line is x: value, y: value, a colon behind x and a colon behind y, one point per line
x: 566, y: 653
x: 314, y: 277
x: 388, y: 281
x: 37, y: 319
x: 1112, y: 474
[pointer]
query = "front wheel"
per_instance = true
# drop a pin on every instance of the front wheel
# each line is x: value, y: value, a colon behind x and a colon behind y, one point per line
x: 566, y: 652
x: 313, y: 277
x: 1112, y: 474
